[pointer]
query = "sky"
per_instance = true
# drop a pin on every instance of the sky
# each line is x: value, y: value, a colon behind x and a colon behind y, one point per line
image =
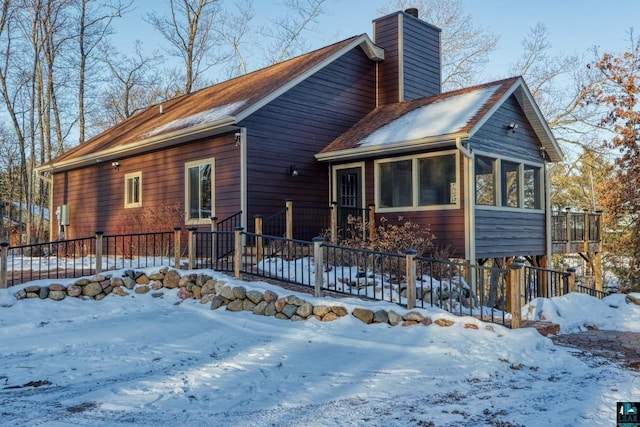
x: 574, y: 26
x: 153, y: 360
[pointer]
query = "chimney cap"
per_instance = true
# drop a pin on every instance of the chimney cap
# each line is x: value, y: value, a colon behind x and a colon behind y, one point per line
x: 413, y: 11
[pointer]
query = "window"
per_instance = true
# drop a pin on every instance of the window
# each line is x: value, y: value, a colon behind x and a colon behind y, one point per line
x: 485, y: 181
x: 419, y: 182
x: 199, y: 190
x: 510, y: 184
x: 531, y: 185
x: 395, y: 184
x: 437, y: 180
x: 507, y: 183
x: 133, y: 190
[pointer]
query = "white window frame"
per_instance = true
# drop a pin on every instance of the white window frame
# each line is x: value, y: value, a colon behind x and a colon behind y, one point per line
x: 415, y: 182
x: 498, y: 184
x: 187, y: 166
x: 127, y: 178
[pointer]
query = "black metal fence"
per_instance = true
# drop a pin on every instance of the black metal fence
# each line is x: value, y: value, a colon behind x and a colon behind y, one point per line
x: 138, y: 250
x: 544, y: 283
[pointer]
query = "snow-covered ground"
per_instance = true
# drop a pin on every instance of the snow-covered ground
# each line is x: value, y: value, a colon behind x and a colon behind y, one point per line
x: 140, y: 360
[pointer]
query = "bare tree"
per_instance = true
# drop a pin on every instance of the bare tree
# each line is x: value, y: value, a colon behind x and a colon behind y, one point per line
x: 132, y: 85
x: 286, y: 32
x: 233, y: 29
x: 188, y: 29
x: 94, y: 24
x: 465, y: 47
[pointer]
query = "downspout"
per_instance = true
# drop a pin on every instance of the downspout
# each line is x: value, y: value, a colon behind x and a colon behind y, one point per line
x: 49, y: 181
x: 469, y: 202
x: 547, y: 209
x: 242, y: 141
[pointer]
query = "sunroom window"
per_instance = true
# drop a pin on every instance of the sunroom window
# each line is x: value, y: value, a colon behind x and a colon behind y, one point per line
x: 428, y: 180
x: 531, y: 184
x: 437, y: 180
x: 485, y: 181
x: 510, y: 184
x: 395, y: 184
x: 199, y: 191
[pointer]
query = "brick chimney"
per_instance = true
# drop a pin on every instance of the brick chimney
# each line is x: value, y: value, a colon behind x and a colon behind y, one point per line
x: 411, y: 68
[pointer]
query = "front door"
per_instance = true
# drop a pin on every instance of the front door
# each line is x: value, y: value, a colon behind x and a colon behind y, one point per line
x: 348, y: 192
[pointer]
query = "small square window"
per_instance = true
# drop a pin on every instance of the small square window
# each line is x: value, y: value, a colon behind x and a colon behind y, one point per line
x: 133, y: 190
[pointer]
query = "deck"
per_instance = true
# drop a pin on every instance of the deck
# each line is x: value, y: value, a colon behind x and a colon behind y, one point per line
x: 576, y: 232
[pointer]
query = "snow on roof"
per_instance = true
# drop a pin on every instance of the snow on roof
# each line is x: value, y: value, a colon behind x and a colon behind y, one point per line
x: 207, y: 116
x: 442, y: 117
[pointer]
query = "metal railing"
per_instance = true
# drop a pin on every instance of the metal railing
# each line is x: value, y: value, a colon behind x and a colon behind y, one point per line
x: 544, y: 283
x: 138, y: 250
x: 576, y: 226
x: 363, y: 272
x: 310, y: 221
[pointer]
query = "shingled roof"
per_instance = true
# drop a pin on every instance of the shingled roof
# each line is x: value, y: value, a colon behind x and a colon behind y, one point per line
x: 213, y: 109
x: 436, y: 119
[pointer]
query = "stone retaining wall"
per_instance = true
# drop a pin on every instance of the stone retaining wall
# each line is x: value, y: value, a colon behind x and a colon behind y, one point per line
x: 219, y: 294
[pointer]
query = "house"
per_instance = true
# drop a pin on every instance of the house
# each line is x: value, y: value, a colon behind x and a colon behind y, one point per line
x: 15, y: 220
x: 362, y: 121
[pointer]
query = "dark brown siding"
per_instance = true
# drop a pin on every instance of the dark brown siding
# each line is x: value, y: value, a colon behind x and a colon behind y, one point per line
x: 294, y: 127
x: 95, y: 194
x: 501, y: 233
x: 420, y: 43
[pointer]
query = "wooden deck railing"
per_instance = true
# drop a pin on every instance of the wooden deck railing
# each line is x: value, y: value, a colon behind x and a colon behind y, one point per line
x: 576, y: 232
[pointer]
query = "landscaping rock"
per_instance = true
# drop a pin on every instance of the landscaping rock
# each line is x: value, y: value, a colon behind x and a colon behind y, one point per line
x: 21, y: 294
x: 330, y: 317
x: 363, y: 315
x: 129, y: 282
x: 142, y: 279
x: 280, y: 304
x: 394, y: 318
x: 57, y: 295
x: 321, y: 310
x: 156, y: 276
x: 44, y: 292
x: 216, y: 302
x: 444, y: 322
x: 381, y: 316
x: 171, y: 279
x: 81, y: 282
x: 270, y: 309
x: 632, y: 299
x: 254, y: 296
x: 305, y: 310
x: 197, y: 291
x: 294, y: 300
x: 183, y: 293
x: 270, y: 296
x: 227, y: 292
x: 248, y: 305
x: 57, y: 287
x: 260, y: 308
x: 239, y: 292
x: 120, y: 291
x: 185, y: 281
x: 413, y: 315
x: 99, y: 297
x: 92, y: 289
x: 427, y: 321
x: 235, y: 305
x: 409, y: 323
x: 142, y: 289
x: 201, y: 279
x: 32, y: 289
x: 74, y: 291
x: 289, y: 310
x: 116, y: 281
x: 339, y: 311
x: 209, y: 287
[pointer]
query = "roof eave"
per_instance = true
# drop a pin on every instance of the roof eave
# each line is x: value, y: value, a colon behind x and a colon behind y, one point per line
x: 374, y: 53
x: 389, y: 149
x: 223, y: 125
x: 534, y: 115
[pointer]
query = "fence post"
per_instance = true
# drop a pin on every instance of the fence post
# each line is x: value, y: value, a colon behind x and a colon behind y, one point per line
x: 176, y: 247
x: 99, y: 235
x: 411, y: 278
x: 371, y: 221
x: 192, y: 247
x: 318, y: 263
x: 334, y: 222
x: 237, y: 252
x: 4, y: 252
x: 515, y: 276
x: 571, y: 280
x: 567, y: 225
x: 259, y: 242
x: 289, y: 219
x: 214, y: 240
